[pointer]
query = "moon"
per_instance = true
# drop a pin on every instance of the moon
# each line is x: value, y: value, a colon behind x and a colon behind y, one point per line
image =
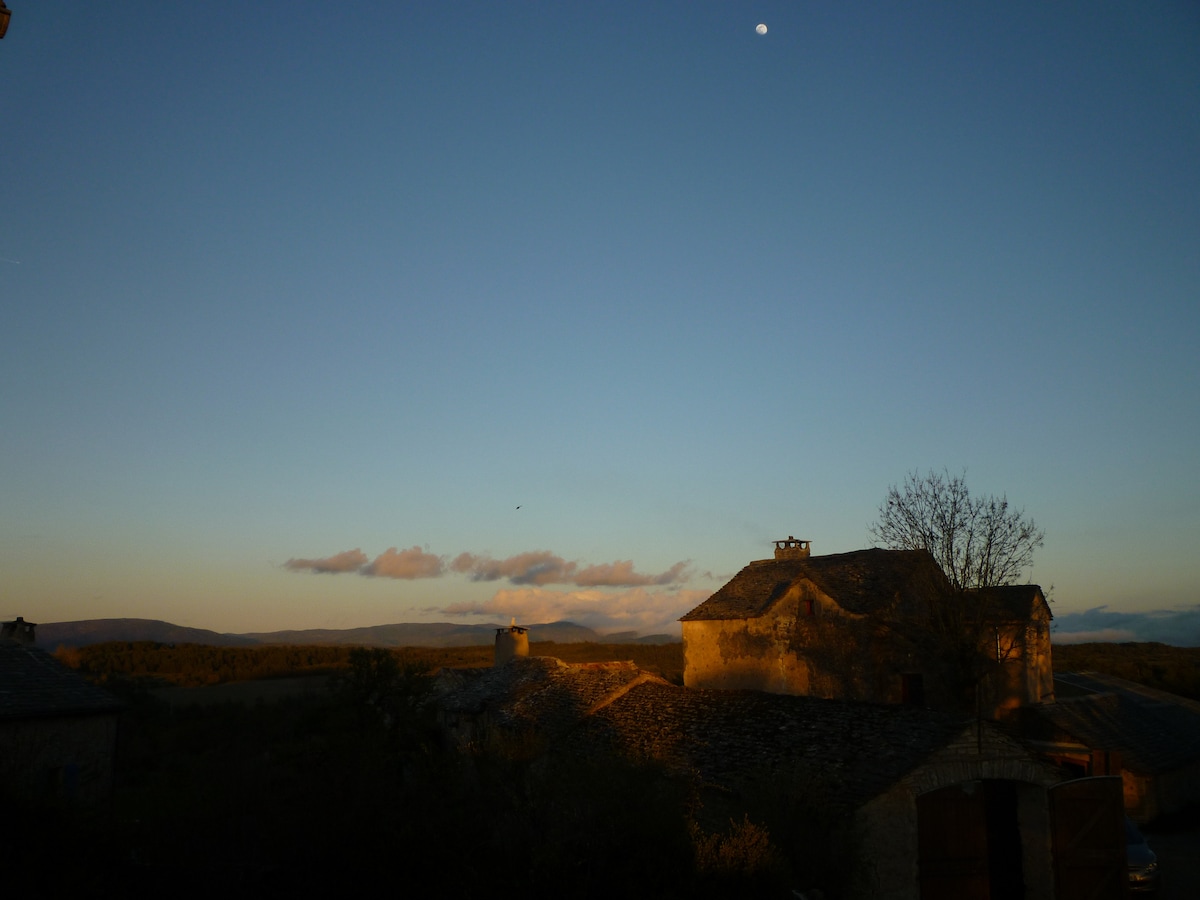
x: 761, y: 28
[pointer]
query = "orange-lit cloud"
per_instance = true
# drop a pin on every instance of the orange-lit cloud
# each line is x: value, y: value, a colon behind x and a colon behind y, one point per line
x: 621, y: 574
x: 534, y: 567
x: 411, y: 563
x: 639, y: 609
x: 347, y: 561
x: 540, y: 567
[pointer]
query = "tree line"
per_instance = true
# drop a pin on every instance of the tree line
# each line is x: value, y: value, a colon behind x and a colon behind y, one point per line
x: 200, y: 665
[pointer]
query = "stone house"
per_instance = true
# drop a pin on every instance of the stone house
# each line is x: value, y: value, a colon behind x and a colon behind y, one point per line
x: 874, y: 625
x: 1104, y: 725
x: 58, y: 733
x: 894, y: 802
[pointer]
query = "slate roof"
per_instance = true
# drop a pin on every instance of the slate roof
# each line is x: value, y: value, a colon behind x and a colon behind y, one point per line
x: 33, y: 684
x: 1154, y: 731
x: 857, y: 750
x: 1014, y: 602
x: 535, y: 691
x: 860, y: 581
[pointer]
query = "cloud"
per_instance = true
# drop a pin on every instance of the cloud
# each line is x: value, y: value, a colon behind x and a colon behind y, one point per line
x: 411, y: 563
x: 621, y: 574
x: 347, y: 561
x: 639, y: 609
x: 541, y: 567
x: 1106, y: 635
x: 1180, y: 627
x: 534, y: 567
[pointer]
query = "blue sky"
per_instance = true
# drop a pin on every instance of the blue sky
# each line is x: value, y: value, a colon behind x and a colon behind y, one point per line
x: 293, y: 288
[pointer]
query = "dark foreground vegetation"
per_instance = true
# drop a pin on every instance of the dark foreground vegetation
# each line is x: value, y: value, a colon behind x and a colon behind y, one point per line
x: 350, y: 788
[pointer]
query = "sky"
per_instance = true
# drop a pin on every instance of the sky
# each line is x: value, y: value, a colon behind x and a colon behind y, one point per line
x: 326, y: 316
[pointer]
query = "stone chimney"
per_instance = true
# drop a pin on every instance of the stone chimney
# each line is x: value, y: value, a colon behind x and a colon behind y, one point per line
x: 18, y: 630
x: 511, y: 642
x: 791, y: 548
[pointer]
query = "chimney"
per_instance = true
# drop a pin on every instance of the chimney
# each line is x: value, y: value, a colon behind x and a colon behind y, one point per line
x: 511, y: 642
x: 18, y: 630
x: 791, y: 548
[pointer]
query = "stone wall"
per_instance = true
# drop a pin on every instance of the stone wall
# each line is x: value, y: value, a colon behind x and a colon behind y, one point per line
x: 58, y: 759
x: 1149, y: 796
x: 807, y: 645
x: 1025, y: 672
x: 746, y: 654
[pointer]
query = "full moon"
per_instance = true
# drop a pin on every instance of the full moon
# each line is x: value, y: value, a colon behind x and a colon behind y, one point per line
x: 761, y: 29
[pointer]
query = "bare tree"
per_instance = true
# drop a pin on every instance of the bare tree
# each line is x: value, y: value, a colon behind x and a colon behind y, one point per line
x: 979, y: 542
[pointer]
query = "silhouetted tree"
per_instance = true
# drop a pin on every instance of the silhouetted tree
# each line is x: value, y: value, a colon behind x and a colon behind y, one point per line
x: 979, y: 542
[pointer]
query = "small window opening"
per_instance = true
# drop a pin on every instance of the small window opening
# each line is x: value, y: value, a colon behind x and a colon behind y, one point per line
x: 912, y: 689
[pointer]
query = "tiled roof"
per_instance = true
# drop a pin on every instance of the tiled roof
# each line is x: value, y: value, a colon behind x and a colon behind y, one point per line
x: 33, y: 683
x: 1154, y: 731
x: 535, y: 691
x: 856, y: 749
x: 860, y: 581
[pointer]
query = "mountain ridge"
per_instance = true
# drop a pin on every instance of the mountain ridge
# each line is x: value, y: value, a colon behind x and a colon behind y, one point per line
x: 403, y: 634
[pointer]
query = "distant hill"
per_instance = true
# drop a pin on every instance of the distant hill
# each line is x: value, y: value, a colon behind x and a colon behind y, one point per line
x: 98, y: 631
x: 410, y: 634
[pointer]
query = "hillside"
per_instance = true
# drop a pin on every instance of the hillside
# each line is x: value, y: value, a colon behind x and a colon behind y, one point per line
x: 411, y: 634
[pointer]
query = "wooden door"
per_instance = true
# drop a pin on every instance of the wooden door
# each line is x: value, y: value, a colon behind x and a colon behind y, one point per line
x: 952, y: 843
x: 1088, y: 826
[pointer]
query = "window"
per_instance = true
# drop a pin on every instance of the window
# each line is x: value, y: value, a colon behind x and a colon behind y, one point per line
x: 912, y: 689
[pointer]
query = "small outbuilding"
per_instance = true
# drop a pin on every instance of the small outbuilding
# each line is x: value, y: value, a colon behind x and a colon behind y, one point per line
x: 58, y: 733
x: 1102, y: 724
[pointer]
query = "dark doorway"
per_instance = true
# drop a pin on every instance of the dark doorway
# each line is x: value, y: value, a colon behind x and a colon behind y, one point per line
x: 1005, y: 875
x: 912, y: 690
x: 969, y: 842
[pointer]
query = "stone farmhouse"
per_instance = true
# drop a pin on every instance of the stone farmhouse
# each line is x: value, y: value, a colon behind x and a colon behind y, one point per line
x: 58, y: 733
x: 873, y: 625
